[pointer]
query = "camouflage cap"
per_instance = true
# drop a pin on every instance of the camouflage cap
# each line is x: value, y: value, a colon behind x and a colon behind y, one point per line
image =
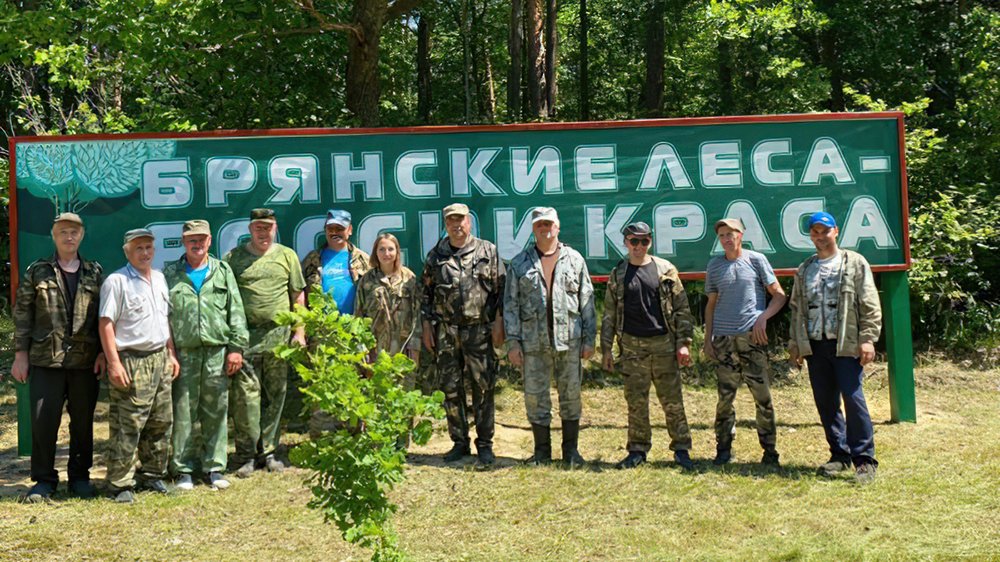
x: 456, y: 209
x: 196, y: 226
x: 265, y: 215
x: 336, y: 216
x: 637, y: 229
x: 138, y: 233
x: 68, y: 217
x: 735, y: 224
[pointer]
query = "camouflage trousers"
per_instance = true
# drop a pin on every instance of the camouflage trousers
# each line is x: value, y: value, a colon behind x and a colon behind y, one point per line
x: 257, y: 395
x: 201, y: 403
x: 465, y: 353
x: 139, y: 419
x: 539, y: 370
x: 649, y: 362
x: 739, y: 359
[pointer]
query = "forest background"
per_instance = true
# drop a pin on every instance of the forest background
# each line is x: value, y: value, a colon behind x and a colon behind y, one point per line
x: 102, y: 66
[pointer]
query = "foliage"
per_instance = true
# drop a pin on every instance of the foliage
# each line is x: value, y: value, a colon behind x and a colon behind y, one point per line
x: 355, y: 466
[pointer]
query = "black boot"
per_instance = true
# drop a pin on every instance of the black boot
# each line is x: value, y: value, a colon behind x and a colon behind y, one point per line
x: 543, y: 445
x: 571, y: 435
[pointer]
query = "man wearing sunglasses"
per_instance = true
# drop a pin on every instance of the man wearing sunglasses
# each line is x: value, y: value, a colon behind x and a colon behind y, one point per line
x: 646, y: 309
x: 736, y: 315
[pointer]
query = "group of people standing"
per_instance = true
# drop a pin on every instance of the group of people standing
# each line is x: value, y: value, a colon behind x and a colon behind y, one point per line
x: 187, y: 348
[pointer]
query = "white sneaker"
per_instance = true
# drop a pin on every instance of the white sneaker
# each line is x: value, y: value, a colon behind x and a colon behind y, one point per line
x: 184, y: 482
x: 216, y: 480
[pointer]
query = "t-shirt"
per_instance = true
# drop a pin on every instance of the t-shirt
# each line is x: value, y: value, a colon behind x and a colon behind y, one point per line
x: 742, y: 288
x: 197, y: 276
x: 337, y: 282
x: 268, y: 283
x: 823, y: 293
x: 643, y: 314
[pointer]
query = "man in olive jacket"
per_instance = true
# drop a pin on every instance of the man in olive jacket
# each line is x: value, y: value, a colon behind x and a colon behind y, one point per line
x: 210, y: 334
x: 836, y: 320
x: 56, y: 341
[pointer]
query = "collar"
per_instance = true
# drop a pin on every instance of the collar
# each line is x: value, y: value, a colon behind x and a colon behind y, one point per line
x: 444, y: 246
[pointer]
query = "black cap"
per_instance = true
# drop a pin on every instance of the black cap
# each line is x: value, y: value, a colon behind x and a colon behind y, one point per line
x: 637, y: 229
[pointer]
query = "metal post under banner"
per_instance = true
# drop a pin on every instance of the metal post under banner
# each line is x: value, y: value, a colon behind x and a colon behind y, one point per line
x: 899, y: 345
x: 23, y: 419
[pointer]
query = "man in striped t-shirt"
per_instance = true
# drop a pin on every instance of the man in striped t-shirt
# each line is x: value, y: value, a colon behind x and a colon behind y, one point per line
x: 736, y: 317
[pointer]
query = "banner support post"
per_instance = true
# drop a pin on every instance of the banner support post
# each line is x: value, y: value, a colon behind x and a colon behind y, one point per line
x: 899, y: 346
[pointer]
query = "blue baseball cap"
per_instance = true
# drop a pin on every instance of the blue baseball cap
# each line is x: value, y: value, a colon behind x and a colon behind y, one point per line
x: 336, y: 216
x: 823, y: 218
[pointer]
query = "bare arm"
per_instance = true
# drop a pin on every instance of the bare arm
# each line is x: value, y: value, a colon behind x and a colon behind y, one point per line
x: 713, y: 299
x: 116, y: 371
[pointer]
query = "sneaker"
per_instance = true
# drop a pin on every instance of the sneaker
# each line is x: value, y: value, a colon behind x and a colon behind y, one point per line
x: 456, y: 453
x: 770, y: 458
x: 272, y: 464
x: 634, y: 459
x: 723, y: 457
x: 82, y: 488
x: 155, y: 485
x: 216, y: 480
x: 683, y: 458
x: 246, y: 470
x: 834, y: 466
x: 486, y: 458
x: 865, y: 473
x: 184, y: 482
x: 125, y: 496
x: 40, y: 492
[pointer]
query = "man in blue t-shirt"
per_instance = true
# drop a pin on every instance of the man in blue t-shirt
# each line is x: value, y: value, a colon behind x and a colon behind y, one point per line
x: 736, y: 317
x: 338, y: 264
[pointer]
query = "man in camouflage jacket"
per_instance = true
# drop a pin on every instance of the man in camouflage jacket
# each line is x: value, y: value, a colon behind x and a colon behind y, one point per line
x: 338, y: 232
x: 463, y: 282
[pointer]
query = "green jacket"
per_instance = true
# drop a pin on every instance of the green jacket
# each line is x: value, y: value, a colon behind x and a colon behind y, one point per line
x: 859, y: 314
x: 312, y: 265
x: 210, y: 317
x: 673, y: 304
x: 41, y: 323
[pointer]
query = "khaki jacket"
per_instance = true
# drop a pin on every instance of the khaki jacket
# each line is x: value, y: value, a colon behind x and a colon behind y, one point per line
x: 394, y: 307
x: 859, y: 313
x: 312, y: 265
x: 210, y: 317
x: 40, y: 320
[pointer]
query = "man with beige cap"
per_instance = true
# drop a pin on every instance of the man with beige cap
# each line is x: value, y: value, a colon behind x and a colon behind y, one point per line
x: 210, y: 335
x: 463, y: 281
x: 549, y: 316
x: 737, y: 285
x: 142, y: 365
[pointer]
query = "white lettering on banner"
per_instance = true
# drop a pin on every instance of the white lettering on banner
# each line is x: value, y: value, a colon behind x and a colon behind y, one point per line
x: 167, y: 241
x: 600, y: 231
x: 760, y: 162
x: 369, y: 175
x: 373, y: 225
x: 792, y: 233
x: 406, y: 182
x: 546, y: 167
x: 677, y: 222
x: 596, y: 168
x: 720, y: 164
x: 166, y: 184
x: 230, y: 235
x: 865, y: 221
x: 663, y: 156
x: 511, y: 239
x: 464, y: 172
x: 291, y: 176
x: 754, y: 234
x: 307, y: 235
x: 228, y: 174
x: 825, y: 159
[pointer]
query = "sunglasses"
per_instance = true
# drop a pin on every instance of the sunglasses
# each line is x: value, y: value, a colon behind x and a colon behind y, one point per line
x: 637, y: 241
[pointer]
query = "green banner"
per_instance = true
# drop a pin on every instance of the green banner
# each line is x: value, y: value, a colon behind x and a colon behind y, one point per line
x: 680, y: 176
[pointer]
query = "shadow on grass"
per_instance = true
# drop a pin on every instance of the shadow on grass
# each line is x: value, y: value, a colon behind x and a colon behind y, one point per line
x: 467, y: 462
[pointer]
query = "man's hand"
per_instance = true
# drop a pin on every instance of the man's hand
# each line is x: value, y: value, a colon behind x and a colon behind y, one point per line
x: 516, y: 357
x: 300, y: 337
x: 100, y: 365
x: 586, y: 352
x: 793, y: 354
x: 234, y: 362
x: 117, y: 375
x: 428, y: 336
x: 684, y: 356
x: 175, y: 366
x: 21, y: 366
x: 708, y: 349
x: 760, y: 330
x: 608, y: 362
x: 499, y: 334
x: 414, y: 355
x: 867, y: 353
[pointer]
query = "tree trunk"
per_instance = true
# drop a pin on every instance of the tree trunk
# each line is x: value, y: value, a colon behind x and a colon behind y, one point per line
x: 584, y: 64
x: 725, y: 77
x: 551, y: 39
x: 653, y: 90
x: 362, y: 61
x: 831, y: 60
x: 514, y: 49
x: 491, y: 98
x: 468, y: 61
x: 536, y: 60
x: 424, y: 68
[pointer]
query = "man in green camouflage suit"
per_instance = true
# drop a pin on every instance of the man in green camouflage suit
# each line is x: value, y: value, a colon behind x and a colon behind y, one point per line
x: 210, y: 334
x: 463, y: 281
x: 270, y: 281
x: 550, y: 323
x: 646, y: 309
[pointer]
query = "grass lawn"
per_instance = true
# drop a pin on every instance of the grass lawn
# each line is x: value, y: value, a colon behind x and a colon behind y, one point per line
x: 936, y: 496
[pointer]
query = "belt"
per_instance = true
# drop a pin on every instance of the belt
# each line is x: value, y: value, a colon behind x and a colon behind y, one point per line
x: 139, y: 354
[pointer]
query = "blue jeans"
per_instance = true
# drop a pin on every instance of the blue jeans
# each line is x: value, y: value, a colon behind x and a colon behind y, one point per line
x: 834, y: 377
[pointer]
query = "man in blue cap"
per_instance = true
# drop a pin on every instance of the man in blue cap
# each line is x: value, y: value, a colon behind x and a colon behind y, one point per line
x: 337, y: 265
x: 836, y: 320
